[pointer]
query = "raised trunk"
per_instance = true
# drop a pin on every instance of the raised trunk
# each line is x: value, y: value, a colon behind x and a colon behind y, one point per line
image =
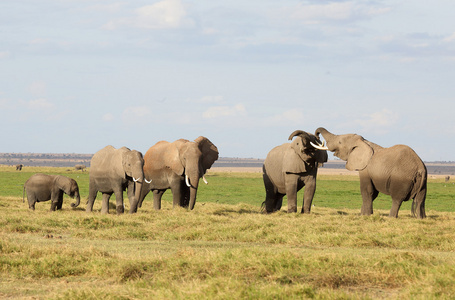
x: 325, y: 133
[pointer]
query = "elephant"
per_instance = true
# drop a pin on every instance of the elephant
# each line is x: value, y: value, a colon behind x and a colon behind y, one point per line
x: 19, y: 167
x: 113, y: 171
x: 288, y: 168
x: 42, y: 187
x: 396, y: 171
x: 177, y: 166
x: 80, y: 167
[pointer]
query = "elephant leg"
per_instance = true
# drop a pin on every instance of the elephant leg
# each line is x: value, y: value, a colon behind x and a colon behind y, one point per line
x: 291, y: 192
x: 91, y: 197
x: 60, y: 201
x: 185, y: 196
x: 105, y: 203
x: 55, y: 198
x: 369, y: 193
x: 308, y: 194
x: 273, y: 200
x: 119, y: 202
x: 31, y: 201
x: 176, y: 193
x: 278, y: 203
x: 130, y: 192
x: 418, y: 204
x: 157, y: 194
x: 396, y: 204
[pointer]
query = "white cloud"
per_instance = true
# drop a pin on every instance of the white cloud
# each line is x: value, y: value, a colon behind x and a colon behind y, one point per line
x: 378, y: 122
x: 211, y: 99
x: 108, y: 117
x: 37, y: 88
x: 161, y: 15
x: 450, y: 38
x: 4, y: 54
x: 224, y: 111
x: 39, y: 104
x: 334, y: 11
x: 289, y: 116
x: 111, y: 8
x: 136, y: 114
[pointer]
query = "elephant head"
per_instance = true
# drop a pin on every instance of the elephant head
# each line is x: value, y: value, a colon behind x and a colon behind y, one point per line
x: 352, y: 148
x: 133, y: 163
x: 69, y: 186
x: 192, y: 159
x: 303, y: 146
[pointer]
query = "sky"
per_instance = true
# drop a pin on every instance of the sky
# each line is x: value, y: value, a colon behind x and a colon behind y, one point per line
x: 77, y: 75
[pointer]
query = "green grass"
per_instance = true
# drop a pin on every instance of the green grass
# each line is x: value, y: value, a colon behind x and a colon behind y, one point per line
x: 226, y: 249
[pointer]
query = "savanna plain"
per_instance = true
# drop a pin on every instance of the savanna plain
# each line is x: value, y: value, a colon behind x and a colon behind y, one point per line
x: 225, y: 248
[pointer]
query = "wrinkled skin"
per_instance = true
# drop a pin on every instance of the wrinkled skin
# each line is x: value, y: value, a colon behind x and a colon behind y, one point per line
x: 396, y: 171
x: 167, y: 164
x: 290, y: 167
x: 113, y: 171
x: 42, y: 187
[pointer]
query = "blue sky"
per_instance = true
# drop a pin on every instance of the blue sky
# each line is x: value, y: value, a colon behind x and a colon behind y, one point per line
x: 77, y: 75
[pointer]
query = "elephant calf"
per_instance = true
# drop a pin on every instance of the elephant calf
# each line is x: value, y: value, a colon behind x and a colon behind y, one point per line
x: 43, y: 187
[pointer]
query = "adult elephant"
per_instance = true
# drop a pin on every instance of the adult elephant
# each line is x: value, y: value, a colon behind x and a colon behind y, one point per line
x: 42, y: 187
x: 80, y: 167
x: 396, y: 171
x: 290, y: 167
x: 177, y: 166
x: 112, y: 171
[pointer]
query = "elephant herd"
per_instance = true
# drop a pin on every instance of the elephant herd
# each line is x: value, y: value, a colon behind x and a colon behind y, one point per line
x: 396, y: 171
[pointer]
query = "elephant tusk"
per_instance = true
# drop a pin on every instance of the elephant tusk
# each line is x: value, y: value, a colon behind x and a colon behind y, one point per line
x: 187, y: 181
x: 135, y: 180
x: 320, y: 147
x: 147, y: 180
x: 205, y: 180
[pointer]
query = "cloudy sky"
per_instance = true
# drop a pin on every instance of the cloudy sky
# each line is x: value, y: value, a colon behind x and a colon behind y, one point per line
x: 77, y: 75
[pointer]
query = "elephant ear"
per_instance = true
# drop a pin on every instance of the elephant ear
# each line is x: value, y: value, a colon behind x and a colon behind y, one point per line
x: 209, y: 152
x: 63, y: 183
x: 171, y: 157
x: 294, y: 158
x: 321, y: 157
x: 359, y: 157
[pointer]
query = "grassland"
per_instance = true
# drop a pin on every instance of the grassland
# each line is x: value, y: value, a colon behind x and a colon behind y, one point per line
x: 226, y: 249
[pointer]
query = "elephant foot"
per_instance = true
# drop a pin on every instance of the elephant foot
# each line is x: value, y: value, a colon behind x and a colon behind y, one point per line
x: 120, y: 209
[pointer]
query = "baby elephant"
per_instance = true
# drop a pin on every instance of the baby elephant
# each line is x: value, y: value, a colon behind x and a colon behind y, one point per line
x: 43, y: 187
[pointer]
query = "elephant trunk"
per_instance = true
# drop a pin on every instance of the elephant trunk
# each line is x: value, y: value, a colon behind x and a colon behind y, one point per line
x: 138, y: 179
x: 78, y: 199
x: 325, y: 133
x: 328, y: 137
x: 193, y: 182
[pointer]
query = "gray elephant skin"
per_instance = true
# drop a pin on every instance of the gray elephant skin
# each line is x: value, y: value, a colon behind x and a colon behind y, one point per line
x: 112, y: 171
x: 396, y: 171
x: 177, y: 166
x: 290, y: 167
x: 42, y: 187
x: 80, y: 167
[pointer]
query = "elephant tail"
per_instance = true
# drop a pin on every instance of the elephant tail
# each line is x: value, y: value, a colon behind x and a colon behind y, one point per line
x: 419, y: 195
x: 23, y: 194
